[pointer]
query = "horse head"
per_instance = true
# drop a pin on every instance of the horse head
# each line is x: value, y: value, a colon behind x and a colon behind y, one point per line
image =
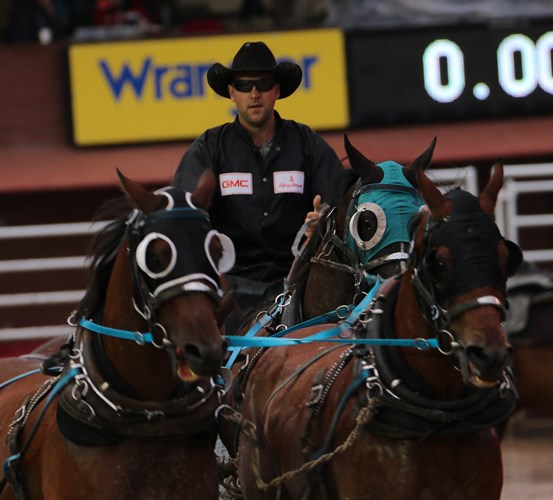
x: 170, y: 271
x: 460, y: 266
x: 376, y: 218
x: 364, y: 234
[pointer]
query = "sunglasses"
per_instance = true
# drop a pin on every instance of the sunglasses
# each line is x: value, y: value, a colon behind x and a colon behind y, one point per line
x: 262, y: 84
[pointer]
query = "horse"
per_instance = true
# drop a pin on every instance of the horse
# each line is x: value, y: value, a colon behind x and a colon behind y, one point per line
x: 414, y: 419
x: 126, y: 408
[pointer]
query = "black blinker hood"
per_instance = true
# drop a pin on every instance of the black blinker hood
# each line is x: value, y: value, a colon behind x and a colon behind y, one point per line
x: 473, y: 238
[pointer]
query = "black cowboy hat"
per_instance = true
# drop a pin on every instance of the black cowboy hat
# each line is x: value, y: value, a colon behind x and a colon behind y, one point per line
x: 255, y: 57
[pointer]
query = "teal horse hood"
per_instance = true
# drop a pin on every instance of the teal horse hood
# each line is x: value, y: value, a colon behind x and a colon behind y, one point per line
x: 389, y: 206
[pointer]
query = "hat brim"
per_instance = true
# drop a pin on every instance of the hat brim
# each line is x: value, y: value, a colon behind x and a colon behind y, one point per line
x: 286, y: 73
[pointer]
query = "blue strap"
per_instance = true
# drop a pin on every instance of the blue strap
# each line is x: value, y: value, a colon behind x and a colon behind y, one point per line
x: 18, y: 377
x: 330, y: 317
x: 254, y: 330
x: 138, y: 337
x: 241, y: 342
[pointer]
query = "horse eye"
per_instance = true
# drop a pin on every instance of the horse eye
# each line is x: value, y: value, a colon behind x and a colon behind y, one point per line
x: 367, y: 225
x: 156, y: 255
x: 439, y: 269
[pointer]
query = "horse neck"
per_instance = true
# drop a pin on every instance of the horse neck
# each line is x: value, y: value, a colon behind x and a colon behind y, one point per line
x: 144, y: 368
x: 433, y: 367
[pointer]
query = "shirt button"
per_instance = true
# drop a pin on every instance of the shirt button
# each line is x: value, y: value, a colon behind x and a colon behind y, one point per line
x: 265, y: 214
x: 264, y: 179
x: 278, y: 148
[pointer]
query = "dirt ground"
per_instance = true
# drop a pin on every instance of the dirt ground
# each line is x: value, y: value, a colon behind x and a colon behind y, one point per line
x: 528, y: 459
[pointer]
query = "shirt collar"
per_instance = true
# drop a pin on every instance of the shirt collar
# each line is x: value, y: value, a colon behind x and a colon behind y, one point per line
x: 246, y: 135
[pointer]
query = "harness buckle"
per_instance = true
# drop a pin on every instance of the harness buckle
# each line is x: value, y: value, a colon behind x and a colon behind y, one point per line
x: 19, y: 415
x: 421, y: 344
x: 139, y: 338
x: 316, y: 395
x: 446, y: 336
x: 80, y: 389
x: 164, y: 342
x: 342, y: 312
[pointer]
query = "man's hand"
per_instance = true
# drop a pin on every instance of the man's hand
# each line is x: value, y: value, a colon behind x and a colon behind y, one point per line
x: 313, y: 216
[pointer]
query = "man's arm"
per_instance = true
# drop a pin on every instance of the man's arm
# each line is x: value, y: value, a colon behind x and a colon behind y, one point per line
x: 193, y: 163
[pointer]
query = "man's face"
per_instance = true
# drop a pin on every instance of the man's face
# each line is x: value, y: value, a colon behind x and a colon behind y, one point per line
x: 255, y: 106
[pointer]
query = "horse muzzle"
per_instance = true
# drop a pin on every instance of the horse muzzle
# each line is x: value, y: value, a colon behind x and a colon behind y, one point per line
x: 483, y: 367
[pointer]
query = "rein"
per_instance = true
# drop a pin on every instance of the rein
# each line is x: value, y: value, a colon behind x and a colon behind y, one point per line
x: 356, y: 316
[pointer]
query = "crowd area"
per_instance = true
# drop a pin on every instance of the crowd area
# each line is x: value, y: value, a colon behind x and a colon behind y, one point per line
x: 47, y: 20
x: 88, y: 20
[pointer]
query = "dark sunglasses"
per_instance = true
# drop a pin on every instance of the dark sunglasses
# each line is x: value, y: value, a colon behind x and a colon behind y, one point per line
x: 262, y: 84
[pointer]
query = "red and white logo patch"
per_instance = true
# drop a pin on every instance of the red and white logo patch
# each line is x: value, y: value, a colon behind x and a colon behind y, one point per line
x: 235, y: 183
x: 289, y: 181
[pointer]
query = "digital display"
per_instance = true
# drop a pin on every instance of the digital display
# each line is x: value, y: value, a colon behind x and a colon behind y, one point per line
x: 450, y: 73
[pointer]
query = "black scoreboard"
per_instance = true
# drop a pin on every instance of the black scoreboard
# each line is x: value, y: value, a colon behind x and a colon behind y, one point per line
x: 450, y: 73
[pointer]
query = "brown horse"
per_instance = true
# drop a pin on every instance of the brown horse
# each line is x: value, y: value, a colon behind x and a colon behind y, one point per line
x: 126, y: 408
x: 378, y: 422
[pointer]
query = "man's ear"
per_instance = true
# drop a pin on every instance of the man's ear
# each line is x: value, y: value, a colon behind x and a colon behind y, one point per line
x: 231, y: 91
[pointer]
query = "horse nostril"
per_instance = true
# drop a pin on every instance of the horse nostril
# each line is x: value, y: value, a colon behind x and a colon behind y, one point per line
x: 490, y: 360
x: 478, y: 356
x: 191, y: 351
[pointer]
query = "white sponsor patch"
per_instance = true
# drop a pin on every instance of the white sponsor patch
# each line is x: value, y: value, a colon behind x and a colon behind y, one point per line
x: 235, y: 183
x: 290, y: 181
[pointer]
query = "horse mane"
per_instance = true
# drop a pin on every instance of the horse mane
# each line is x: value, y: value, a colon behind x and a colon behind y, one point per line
x: 102, y: 252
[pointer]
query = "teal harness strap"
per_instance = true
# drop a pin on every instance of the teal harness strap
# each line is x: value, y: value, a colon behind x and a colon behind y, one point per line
x: 138, y: 337
x: 235, y: 348
x: 241, y: 342
x: 19, y: 377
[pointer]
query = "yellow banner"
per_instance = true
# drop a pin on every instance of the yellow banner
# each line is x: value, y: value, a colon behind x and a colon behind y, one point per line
x: 142, y: 91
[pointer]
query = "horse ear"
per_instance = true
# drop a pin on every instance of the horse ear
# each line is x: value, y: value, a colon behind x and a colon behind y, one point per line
x: 205, y: 188
x: 488, y: 197
x: 438, y: 204
x: 367, y: 169
x: 140, y: 197
x: 424, y: 159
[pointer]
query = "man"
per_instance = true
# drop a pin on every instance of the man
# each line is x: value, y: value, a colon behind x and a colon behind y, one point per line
x: 271, y: 172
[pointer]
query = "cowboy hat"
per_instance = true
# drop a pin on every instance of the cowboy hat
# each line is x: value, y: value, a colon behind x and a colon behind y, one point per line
x: 255, y: 57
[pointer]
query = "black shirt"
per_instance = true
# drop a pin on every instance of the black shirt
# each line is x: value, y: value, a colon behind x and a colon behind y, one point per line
x: 261, y: 203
